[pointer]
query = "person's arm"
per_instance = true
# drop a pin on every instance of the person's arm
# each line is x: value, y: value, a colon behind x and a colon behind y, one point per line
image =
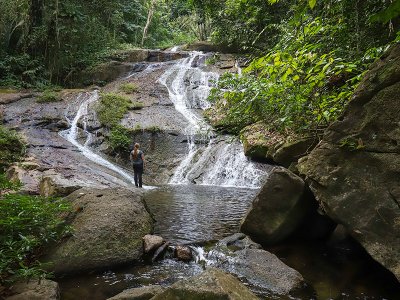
x: 130, y: 156
x: 144, y: 162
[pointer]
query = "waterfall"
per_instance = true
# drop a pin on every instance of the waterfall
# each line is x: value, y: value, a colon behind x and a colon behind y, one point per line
x: 220, y: 162
x: 73, y: 133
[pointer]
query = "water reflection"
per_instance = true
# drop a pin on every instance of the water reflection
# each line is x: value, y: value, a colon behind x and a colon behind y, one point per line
x: 197, y: 213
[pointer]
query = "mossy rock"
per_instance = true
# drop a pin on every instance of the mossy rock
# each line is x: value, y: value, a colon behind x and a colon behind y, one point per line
x: 212, y: 284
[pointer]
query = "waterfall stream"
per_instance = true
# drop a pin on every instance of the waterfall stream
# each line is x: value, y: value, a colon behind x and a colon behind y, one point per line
x: 73, y: 133
x: 210, y: 160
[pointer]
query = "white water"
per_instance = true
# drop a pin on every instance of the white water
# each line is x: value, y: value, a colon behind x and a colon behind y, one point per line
x: 72, y: 134
x: 220, y: 163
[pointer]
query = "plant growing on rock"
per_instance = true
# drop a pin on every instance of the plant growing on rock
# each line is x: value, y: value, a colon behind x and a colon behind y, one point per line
x: 12, y: 148
x: 120, y: 138
x: 128, y: 88
x: 49, y: 96
x: 112, y: 108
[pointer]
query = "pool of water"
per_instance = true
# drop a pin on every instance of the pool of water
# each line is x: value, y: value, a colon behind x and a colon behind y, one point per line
x: 197, y: 214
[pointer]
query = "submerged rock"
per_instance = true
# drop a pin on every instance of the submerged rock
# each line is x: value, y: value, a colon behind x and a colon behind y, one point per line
x: 354, y: 171
x: 108, y: 225
x: 279, y: 208
x: 212, y: 284
x: 35, y: 290
x: 142, y: 293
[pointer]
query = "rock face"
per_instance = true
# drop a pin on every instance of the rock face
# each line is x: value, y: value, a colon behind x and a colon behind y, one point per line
x: 354, y: 171
x: 33, y: 290
x: 279, y: 208
x: 108, y: 228
x: 212, y: 284
x: 143, y: 293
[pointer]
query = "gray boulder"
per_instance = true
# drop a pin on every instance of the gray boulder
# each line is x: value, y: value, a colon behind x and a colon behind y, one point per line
x: 35, y: 290
x: 142, y: 293
x: 278, y: 209
x: 212, y: 284
x: 108, y: 226
x: 238, y: 255
x: 354, y: 171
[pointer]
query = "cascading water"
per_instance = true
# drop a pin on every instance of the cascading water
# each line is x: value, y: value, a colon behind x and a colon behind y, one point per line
x: 220, y: 163
x: 72, y: 134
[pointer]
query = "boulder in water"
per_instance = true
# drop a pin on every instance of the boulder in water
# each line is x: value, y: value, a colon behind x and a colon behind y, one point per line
x: 354, y: 171
x: 238, y: 255
x: 142, y: 293
x: 278, y: 209
x: 212, y: 284
x: 151, y: 242
x: 108, y: 224
x: 183, y: 253
x: 35, y: 290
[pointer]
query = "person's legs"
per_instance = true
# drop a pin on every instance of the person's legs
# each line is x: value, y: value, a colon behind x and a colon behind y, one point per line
x: 135, y: 176
x: 140, y: 173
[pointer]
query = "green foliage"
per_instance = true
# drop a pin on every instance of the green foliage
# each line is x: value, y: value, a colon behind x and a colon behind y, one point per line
x: 12, y: 148
x: 49, y: 96
x: 136, y: 105
x: 128, y: 88
x: 27, y: 224
x: 112, y: 108
x: 294, y: 90
x: 120, y: 138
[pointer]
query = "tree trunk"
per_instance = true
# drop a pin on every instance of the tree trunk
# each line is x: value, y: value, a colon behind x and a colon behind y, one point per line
x: 149, y: 17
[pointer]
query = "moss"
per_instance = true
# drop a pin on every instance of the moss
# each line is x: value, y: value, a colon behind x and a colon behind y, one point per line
x: 136, y: 105
x: 128, y: 88
x: 112, y: 108
x: 49, y: 96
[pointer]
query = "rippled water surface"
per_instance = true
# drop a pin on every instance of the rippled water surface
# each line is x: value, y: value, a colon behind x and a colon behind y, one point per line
x: 193, y: 213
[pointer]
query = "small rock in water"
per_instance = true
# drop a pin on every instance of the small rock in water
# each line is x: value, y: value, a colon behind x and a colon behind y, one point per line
x: 183, y: 253
x: 160, y: 251
x: 151, y: 242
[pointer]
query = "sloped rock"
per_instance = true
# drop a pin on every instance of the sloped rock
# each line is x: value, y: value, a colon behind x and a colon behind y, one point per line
x: 57, y: 185
x: 34, y: 290
x: 278, y: 209
x: 212, y: 284
x: 142, y: 293
x: 103, y: 73
x: 109, y: 225
x: 354, y: 171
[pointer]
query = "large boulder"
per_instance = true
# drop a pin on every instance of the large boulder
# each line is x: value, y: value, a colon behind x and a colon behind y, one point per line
x: 354, y: 171
x: 108, y: 225
x: 35, y: 290
x: 212, y: 284
x: 262, y: 270
x: 278, y: 209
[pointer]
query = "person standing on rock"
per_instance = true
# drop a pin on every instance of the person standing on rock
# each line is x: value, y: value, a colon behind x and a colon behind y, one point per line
x: 137, y: 158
